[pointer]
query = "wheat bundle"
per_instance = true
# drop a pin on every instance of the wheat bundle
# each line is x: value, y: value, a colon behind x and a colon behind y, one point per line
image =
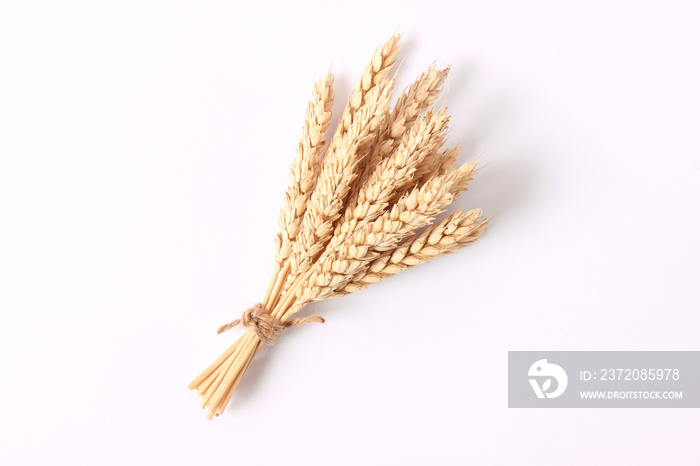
x: 361, y: 206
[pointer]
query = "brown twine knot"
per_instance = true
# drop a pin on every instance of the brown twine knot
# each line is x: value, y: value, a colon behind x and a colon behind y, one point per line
x: 267, y: 327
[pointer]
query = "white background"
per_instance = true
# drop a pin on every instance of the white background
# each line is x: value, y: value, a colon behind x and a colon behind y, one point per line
x: 144, y: 149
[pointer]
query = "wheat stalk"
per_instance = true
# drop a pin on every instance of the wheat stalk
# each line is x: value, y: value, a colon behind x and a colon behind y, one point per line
x: 358, y: 209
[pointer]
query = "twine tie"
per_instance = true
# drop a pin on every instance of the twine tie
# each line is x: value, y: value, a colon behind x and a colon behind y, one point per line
x: 267, y: 327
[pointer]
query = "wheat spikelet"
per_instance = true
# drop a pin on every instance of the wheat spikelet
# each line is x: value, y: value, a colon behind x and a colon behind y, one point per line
x: 358, y: 209
x: 437, y: 165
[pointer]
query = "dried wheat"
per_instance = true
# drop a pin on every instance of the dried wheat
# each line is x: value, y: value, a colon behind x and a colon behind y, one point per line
x: 358, y: 209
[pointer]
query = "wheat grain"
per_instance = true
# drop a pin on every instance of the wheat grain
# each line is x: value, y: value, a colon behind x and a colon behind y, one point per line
x: 437, y: 165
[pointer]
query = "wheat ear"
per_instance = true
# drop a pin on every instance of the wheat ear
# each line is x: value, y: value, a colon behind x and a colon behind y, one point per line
x: 302, y: 174
x: 376, y: 72
x: 458, y: 230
